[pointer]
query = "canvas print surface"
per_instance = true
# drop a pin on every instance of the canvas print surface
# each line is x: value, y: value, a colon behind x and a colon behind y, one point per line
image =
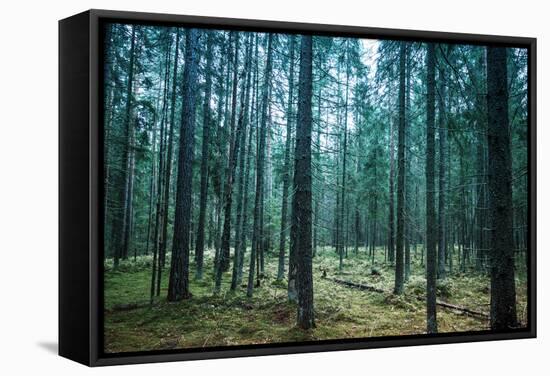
x: 268, y: 188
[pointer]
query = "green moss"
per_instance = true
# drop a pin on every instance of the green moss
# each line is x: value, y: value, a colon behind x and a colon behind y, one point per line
x: 267, y: 317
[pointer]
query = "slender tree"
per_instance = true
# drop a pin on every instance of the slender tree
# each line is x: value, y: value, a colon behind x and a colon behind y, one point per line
x: 157, y: 240
x: 169, y: 156
x: 341, y: 241
x: 248, y: 167
x: 231, y: 167
x: 391, y: 206
x: 431, y: 230
x: 256, y: 231
x: 409, y: 231
x: 399, y: 254
x: 286, y: 172
x: 121, y: 224
x: 199, y: 244
x: 243, y: 126
x: 442, y: 233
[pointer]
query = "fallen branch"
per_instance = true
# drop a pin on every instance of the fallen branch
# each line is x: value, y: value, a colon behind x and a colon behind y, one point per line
x: 440, y: 303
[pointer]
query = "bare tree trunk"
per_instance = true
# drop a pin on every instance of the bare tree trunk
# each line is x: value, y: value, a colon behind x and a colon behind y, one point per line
x: 120, y: 228
x: 391, y: 213
x: 431, y: 235
x: 256, y: 233
x: 399, y: 254
x: 157, y: 243
x: 408, y: 176
x: 286, y: 172
x: 503, y: 290
x: 344, y: 160
x: 178, y: 287
x: 243, y: 123
x: 442, y: 247
x: 199, y: 246
x: 301, y: 204
x: 231, y: 165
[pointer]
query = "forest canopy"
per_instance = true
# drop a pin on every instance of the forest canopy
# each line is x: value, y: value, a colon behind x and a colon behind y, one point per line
x: 267, y: 187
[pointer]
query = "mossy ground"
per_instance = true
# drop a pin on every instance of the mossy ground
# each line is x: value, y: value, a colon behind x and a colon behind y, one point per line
x: 231, y: 318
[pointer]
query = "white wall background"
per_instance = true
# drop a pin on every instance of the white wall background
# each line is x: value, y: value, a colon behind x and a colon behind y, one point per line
x: 28, y: 185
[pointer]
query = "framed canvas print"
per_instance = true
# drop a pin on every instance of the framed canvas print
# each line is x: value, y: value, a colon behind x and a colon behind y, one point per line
x: 240, y: 187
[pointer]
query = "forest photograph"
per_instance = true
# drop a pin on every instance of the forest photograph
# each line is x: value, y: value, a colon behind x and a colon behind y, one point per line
x: 273, y: 188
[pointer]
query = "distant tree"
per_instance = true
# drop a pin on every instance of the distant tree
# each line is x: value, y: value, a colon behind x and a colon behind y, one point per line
x: 256, y: 230
x: 223, y: 262
x: 341, y: 242
x: 286, y: 172
x: 243, y: 127
x: 249, y: 162
x: 121, y: 227
x: 157, y: 239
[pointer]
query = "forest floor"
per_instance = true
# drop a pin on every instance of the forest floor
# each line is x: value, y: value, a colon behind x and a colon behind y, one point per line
x: 231, y: 318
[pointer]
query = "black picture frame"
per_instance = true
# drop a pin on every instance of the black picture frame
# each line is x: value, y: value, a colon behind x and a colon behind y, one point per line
x: 80, y: 188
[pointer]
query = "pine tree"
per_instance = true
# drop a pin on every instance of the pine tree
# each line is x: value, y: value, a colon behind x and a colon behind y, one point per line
x: 431, y: 229
x: 301, y: 203
x: 178, y: 287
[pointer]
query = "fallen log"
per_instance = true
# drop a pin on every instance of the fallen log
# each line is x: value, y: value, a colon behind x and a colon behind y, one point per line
x: 127, y: 307
x: 440, y: 303
x: 462, y: 309
x: 358, y: 286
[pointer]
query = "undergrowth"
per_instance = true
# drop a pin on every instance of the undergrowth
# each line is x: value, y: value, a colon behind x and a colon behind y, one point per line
x: 230, y: 318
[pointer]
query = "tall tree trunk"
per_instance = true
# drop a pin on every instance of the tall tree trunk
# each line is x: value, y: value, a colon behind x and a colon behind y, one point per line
x: 167, y: 170
x: 319, y: 196
x: 199, y: 246
x: 231, y: 165
x: 248, y: 167
x: 113, y: 97
x: 152, y: 187
x: 399, y: 254
x: 503, y: 291
x: 120, y: 228
x: 481, y: 166
x: 233, y: 158
x: 178, y: 287
x: 157, y: 243
x: 243, y: 123
x: 344, y: 162
x: 408, y: 175
x: 223, y: 106
x: 256, y: 236
x: 391, y: 212
x: 357, y: 221
x: 431, y: 230
x: 442, y: 247
x: 301, y: 203
x: 128, y: 205
x: 286, y: 171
